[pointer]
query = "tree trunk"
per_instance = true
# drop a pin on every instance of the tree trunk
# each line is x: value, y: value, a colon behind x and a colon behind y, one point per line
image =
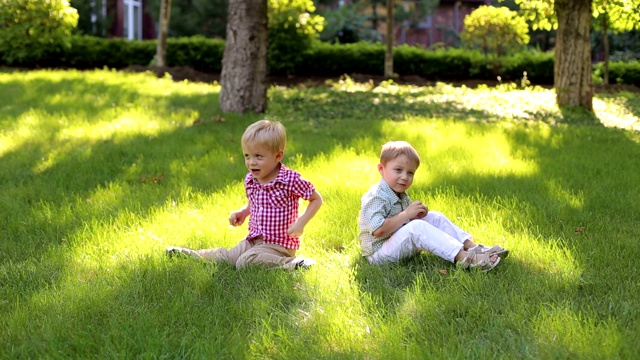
x: 605, y: 39
x: 388, y: 55
x: 165, y: 16
x: 572, y: 70
x: 244, y: 63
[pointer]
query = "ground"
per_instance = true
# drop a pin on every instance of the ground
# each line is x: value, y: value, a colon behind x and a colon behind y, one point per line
x: 180, y: 73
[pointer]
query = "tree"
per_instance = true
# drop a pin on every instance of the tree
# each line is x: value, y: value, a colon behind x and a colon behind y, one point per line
x: 406, y: 12
x: 291, y: 29
x: 388, y: 54
x: 244, y: 63
x: 28, y: 28
x: 572, y: 72
x: 165, y: 16
x: 193, y: 17
x: 572, y: 66
x: 92, y: 20
x: 495, y: 30
x: 617, y: 16
x: 349, y: 24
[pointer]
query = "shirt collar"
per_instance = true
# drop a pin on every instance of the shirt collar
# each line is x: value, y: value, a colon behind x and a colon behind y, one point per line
x: 389, y: 191
x: 280, y: 178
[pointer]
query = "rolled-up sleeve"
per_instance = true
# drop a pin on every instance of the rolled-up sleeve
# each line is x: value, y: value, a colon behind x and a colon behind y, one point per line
x: 374, y: 212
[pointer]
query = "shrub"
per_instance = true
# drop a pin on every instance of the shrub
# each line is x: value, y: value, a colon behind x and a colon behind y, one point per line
x: 495, y: 30
x: 292, y: 31
x: 625, y: 73
x: 28, y: 28
x: 441, y: 64
x: 537, y: 64
x: 322, y: 59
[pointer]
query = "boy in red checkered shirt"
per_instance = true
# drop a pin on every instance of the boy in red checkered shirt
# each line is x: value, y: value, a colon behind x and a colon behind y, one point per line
x: 273, y: 193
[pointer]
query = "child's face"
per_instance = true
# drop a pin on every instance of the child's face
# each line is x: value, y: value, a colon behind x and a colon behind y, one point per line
x: 262, y: 162
x: 398, y: 173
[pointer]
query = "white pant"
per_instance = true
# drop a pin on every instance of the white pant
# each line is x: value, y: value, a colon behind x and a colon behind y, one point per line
x: 433, y: 233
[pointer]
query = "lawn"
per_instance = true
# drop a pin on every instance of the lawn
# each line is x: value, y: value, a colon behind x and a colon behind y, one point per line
x: 101, y: 171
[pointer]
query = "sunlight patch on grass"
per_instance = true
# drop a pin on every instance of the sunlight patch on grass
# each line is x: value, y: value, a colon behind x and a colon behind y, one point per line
x: 335, y: 302
x: 566, y: 197
x: 451, y: 148
x: 353, y: 169
x: 613, y: 111
x: 562, y: 330
x: 126, y: 125
x: 548, y: 257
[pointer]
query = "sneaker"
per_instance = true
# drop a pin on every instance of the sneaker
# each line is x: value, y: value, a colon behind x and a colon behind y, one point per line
x: 174, y: 251
x: 305, y: 263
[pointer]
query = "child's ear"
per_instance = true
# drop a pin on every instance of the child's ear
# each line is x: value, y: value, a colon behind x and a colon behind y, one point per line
x: 280, y: 155
x: 380, y: 168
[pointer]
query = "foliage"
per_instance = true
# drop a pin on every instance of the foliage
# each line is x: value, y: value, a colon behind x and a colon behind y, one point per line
x: 539, y: 13
x: 292, y: 30
x: 194, y: 17
x: 620, y: 15
x: 90, y: 52
x: 495, y: 30
x: 413, y: 12
x: 101, y: 170
x: 623, y: 14
x: 325, y: 59
x: 621, y: 72
x: 321, y: 59
x: 91, y: 19
x: 29, y: 27
x: 535, y: 65
x: 347, y: 24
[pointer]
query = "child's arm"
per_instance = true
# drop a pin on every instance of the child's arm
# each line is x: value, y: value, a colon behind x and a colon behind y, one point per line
x: 237, y: 217
x: 312, y: 208
x: 414, y: 211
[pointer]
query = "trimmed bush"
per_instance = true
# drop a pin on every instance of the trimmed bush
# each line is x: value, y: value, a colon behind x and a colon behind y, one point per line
x: 625, y: 73
x: 325, y: 59
x: 322, y: 59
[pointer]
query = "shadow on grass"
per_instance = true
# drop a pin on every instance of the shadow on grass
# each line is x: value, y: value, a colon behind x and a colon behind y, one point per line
x: 198, y: 157
x: 583, y: 200
x: 167, y: 308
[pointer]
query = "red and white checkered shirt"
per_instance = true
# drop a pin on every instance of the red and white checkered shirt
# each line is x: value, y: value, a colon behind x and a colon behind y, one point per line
x: 274, y: 206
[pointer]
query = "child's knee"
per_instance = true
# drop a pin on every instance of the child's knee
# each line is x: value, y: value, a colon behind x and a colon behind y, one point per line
x: 245, y: 260
x: 416, y: 226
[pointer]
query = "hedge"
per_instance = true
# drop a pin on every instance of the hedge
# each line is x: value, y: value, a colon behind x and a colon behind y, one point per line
x: 322, y: 59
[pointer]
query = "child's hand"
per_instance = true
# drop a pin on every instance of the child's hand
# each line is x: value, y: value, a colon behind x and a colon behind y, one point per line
x: 295, y: 230
x: 417, y: 210
x: 237, y: 218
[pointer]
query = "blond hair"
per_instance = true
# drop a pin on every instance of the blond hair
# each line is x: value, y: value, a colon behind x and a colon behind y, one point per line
x: 393, y: 149
x: 270, y: 133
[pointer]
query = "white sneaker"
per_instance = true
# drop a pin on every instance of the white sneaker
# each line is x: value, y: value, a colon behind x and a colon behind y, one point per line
x: 304, y: 263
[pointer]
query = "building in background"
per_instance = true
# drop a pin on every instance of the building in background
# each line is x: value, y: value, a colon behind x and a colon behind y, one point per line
x: 443, y: 26
x: 130, y: 20
x: 115, y: 18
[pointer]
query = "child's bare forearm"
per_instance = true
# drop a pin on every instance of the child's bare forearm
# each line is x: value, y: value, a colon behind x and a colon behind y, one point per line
x: 315, y: 201
x: 392, y: 224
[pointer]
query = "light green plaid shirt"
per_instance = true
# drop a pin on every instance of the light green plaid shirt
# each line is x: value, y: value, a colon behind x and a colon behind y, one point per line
x: 377, y: 205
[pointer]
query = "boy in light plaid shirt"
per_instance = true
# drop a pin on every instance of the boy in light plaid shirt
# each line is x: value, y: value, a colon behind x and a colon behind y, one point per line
x: 273, y: 192
x: 393, y: 227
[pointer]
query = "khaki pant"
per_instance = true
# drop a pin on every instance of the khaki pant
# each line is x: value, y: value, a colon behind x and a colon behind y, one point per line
x: 250, y: 252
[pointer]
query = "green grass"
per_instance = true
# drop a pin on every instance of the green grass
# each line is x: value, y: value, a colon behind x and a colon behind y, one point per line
x: 100, y: 171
